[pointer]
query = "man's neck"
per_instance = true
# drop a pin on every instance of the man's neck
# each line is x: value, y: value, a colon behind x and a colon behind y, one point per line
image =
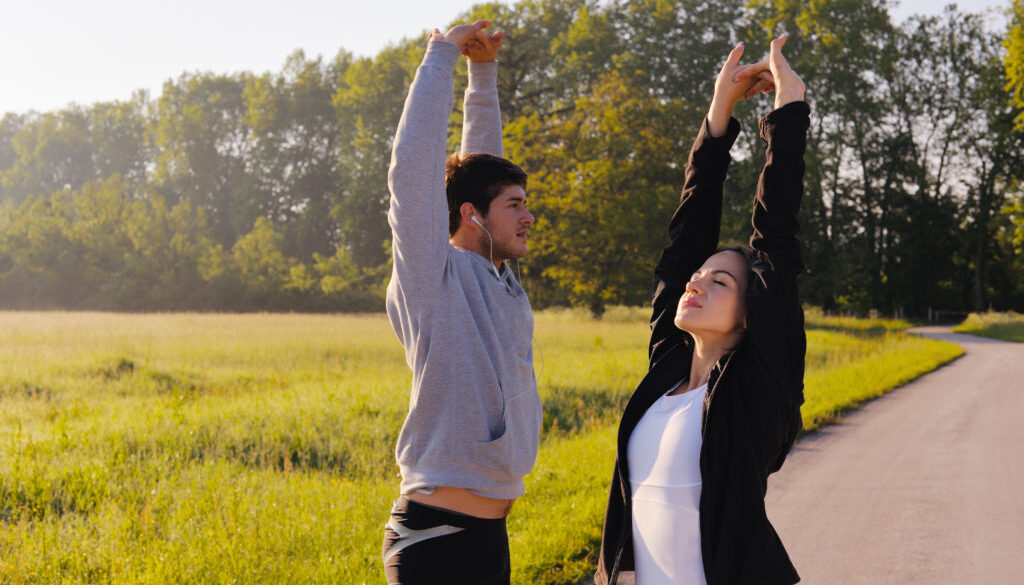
x: 482, y: 247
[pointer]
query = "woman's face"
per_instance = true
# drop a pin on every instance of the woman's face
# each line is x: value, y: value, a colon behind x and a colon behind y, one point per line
x: 715, y: 297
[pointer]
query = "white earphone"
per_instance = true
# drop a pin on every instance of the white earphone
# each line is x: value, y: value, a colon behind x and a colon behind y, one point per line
x: 490, y: 240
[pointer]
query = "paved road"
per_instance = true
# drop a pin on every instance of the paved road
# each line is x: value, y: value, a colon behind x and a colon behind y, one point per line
x: 922, y: 486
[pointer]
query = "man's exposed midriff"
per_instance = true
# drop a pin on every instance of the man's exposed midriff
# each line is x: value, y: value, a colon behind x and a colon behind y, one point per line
x: 464, y: 502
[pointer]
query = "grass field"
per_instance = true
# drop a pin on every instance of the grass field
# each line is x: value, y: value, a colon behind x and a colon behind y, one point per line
x: 1006, y: 326
x: 259, y: 448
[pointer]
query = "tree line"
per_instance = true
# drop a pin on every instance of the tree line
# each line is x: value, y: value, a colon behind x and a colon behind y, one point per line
x: 268, y: 191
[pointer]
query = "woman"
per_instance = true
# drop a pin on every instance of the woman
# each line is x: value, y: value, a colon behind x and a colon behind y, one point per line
x: 719, y: 407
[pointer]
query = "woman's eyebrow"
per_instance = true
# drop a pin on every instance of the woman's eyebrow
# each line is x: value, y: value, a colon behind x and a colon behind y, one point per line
x: 716, y: 271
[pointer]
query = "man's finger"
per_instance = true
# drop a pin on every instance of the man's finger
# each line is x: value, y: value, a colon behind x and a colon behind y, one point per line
x: 487, y: 39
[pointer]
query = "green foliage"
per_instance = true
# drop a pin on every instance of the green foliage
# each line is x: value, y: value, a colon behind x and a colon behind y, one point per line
x: 912, y: 186
x: 295, y: 133
x: 367, y: 106
x: 206, y: 448
x: 846, y: 369
x: 1006, y: 326
x: 103, y: 247
x: 1013, y: 61
x: 204, y: 144
x: 606, y: 200
x: 67, y: 149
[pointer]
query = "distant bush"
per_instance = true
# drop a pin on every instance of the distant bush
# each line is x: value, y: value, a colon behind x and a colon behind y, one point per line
x: 1007, y: 326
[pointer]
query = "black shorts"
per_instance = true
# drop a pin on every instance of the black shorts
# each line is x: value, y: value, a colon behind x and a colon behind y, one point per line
x: 427, y: 545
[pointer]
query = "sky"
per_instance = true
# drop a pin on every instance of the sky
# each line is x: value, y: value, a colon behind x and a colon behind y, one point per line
x: 57, y: 52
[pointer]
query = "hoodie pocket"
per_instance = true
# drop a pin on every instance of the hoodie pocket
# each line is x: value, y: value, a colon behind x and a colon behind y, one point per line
x: 513, y: 451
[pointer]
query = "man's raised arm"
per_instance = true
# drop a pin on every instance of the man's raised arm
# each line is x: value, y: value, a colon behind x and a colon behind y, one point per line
x: 481, y: 126
x: 418, y: 215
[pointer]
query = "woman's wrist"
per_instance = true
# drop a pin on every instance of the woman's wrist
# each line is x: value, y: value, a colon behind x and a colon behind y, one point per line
x: 789, y: 91
x: 718, y: 118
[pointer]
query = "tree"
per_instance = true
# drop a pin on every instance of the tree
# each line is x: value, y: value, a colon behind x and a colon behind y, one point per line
x: 262, y: 267
x: 367, y: 105
x: 603, y: 186
x: 168, y: 267
x: 203, y: 150
x: 52, y: 153
x: 294, y: 133
x: 1013, y: 61
x: 10, y: 125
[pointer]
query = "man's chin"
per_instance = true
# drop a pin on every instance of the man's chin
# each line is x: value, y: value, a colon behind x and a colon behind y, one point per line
x: 517, y: 252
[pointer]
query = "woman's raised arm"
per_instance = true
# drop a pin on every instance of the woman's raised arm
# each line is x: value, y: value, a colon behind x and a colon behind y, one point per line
x: 695, y: 225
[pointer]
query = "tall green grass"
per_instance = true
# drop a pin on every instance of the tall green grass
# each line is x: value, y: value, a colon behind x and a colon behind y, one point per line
x: 1006, y: 326
x: 259, y: 448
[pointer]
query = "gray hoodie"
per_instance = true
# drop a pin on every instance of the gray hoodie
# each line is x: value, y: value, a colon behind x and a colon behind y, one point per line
x: 474, y: 414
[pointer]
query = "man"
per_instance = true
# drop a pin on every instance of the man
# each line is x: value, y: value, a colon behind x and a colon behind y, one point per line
x: 474, y: 415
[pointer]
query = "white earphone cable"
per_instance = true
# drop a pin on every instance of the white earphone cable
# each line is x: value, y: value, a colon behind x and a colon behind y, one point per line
x: 519, y: 271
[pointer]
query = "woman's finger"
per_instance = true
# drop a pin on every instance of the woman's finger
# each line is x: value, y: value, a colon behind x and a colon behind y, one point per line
x: 747, y: 71
x: 761, y: 86
x: 775, y: 57
x: 734, y: 55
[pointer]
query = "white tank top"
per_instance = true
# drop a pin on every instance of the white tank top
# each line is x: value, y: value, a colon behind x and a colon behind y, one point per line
x: 664, y: 476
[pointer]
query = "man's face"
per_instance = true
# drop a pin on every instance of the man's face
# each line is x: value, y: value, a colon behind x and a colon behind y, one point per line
x: 508, y: 221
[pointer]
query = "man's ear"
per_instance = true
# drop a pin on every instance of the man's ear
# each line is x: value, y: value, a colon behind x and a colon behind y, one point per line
x: 468, y: 210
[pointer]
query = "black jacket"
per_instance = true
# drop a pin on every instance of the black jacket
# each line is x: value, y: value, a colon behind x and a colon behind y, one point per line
x: 751, y: 414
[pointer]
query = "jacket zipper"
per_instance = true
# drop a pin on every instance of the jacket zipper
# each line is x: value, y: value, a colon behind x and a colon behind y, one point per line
x: 712, y: 389
x: 711, y: 399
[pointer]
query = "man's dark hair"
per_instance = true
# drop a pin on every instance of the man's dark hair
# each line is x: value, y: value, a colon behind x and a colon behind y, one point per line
x: 477, y: 178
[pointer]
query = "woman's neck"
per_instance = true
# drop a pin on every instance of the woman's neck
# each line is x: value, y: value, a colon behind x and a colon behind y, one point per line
x: 706, y: 354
